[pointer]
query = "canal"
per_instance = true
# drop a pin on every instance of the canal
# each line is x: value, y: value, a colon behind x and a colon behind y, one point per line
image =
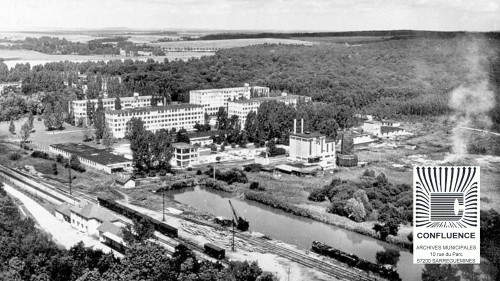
x: 293, y: 229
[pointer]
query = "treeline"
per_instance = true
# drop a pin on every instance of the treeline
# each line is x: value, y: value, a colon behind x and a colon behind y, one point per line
x: 62, y: 46
x: 29, y: 254
x: 397, y: 77
x: 396, y: 34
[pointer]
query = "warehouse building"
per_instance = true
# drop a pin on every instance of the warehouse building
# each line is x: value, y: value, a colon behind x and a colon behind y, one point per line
x: 168, y: 117
x: 213, y: 99
x: 99, y: 159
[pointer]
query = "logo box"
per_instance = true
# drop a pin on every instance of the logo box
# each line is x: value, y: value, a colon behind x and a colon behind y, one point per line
x: 446, y: 214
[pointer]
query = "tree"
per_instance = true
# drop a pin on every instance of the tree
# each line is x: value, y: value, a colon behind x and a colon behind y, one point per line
x: 25, y: 132
x: 389, y: 256
x: 54, y: 169
x: 140, y: 231
x: 12, y: 127
x: 99, y: 120
x: 251, y: 126
x: 222, y: 119
x: 87, y: 133
x: 107, y: 137
x: 329, y: 128
x: 355, y: 209
x: 118, y: 103
x: 31, y: 119
x: 182, y: 136
x: 207, y: 122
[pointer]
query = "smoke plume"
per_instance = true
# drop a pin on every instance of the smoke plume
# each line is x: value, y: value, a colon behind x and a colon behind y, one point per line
x: 472, y: 101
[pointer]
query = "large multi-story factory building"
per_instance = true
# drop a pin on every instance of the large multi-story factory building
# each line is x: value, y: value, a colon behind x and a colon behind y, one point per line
x: 310, y: 147
x: 176, y: 116
x: 213, y: 99
x: 241, y: 108
x: 80, y: 107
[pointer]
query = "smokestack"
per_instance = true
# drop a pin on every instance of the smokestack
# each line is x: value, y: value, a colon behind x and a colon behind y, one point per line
x: 302, y: 125
x: 294, y: 126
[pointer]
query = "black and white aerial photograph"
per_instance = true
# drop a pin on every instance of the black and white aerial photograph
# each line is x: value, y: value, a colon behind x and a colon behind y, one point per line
x: 249, y: 140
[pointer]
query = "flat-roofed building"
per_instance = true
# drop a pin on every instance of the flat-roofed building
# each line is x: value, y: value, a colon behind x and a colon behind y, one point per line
x: 310, y: 147
x: 241, y: 108
x: 168, y: 117
x: 99, y: 159
x: 185, y: 155
x: 80, y: 107
x: 213, y: 99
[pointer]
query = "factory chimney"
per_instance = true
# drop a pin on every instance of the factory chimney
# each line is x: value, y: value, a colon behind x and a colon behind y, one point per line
x: 294, y: 126
x: 302, y: 125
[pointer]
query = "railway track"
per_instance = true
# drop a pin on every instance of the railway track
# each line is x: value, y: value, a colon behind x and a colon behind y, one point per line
x: 331, y: 269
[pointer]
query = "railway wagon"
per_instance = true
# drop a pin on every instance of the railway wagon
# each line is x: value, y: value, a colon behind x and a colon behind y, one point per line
x: 159, y: 226
x: 354, y: 261
x: 214, y: 251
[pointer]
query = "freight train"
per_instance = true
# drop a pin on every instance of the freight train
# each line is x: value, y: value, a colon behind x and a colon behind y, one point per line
x: 159, y: 226
x: 354, y: 261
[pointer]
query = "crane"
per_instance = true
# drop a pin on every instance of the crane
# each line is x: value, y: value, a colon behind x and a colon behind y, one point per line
x: 240, y: 222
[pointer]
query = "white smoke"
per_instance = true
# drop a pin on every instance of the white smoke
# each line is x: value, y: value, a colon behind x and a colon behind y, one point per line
x: 472, y: 101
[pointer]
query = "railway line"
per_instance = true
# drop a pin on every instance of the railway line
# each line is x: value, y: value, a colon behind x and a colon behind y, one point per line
x: 60, y: 195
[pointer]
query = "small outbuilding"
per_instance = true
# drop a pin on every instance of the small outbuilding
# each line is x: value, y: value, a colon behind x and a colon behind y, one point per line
x: 127, y: 182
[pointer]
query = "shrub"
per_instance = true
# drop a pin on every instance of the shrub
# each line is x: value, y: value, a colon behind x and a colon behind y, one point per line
x: 369, y: 173
x: 233, y: 145
x: 198, y: 172
x: 59, y: 158
x: 255, y: 186
x: 317, y: 195
x: 338, y: 207
x: 410, y: 237
x: 213, y: 147
x: 247, y: 169
x: 39, y: 154
x: 388, y: 256
x: 222, y: 148
x: 189, y: 169
x: 355, y: 209
x: 15, y: 156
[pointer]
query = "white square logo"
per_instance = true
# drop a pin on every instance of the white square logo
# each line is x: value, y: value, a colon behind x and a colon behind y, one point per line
x: 446, y: 215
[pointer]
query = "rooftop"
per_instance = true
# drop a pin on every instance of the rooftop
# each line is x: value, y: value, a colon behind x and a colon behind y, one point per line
x: 100, y: 156
x: 307, y: 135
x: 122, y: 99
x: 388, y: 129
x: 90, y: 210
x: 155, y: 108
x: 263, y: 99
x: 227, y: 89
x: 182, y: 145
x: 111, y: 228
x: 64, y: 209
x: 202, y: 134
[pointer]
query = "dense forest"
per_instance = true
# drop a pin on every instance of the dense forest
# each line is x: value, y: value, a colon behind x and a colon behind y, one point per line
x: 396, y: 77
x: 29, y: 254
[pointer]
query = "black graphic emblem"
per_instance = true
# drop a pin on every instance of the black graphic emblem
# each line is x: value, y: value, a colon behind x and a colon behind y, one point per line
x: 446, y: 197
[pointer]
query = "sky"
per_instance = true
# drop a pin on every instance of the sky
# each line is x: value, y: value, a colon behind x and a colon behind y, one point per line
x: 275, y: 15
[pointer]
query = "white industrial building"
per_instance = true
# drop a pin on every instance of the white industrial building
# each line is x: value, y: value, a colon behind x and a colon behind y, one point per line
x: 168, y: 117
x: 185, y: 155
x: 309, y: 147
x: 383, y: 129
x: 99, y: 159
x: 80, y: 107
x: 213, y: 99
x: 241, y: 108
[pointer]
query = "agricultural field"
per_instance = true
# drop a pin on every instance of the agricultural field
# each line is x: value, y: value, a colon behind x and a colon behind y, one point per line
x: 13, y: 57
x: 233, y: 43
x: 75, y: 37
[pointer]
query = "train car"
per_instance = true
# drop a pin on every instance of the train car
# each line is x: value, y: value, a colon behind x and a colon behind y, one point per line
x: 354, y: 261
x: 214, y: 251
x: 164, y: 228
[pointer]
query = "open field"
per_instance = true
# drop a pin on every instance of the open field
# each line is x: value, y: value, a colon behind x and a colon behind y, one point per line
x: 13, y: 57
x: 73, y: 37
x: 224, y: 44
x: 344, y: 39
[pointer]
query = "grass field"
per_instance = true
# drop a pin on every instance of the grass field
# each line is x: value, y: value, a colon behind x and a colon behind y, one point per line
x: 12, y: 57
